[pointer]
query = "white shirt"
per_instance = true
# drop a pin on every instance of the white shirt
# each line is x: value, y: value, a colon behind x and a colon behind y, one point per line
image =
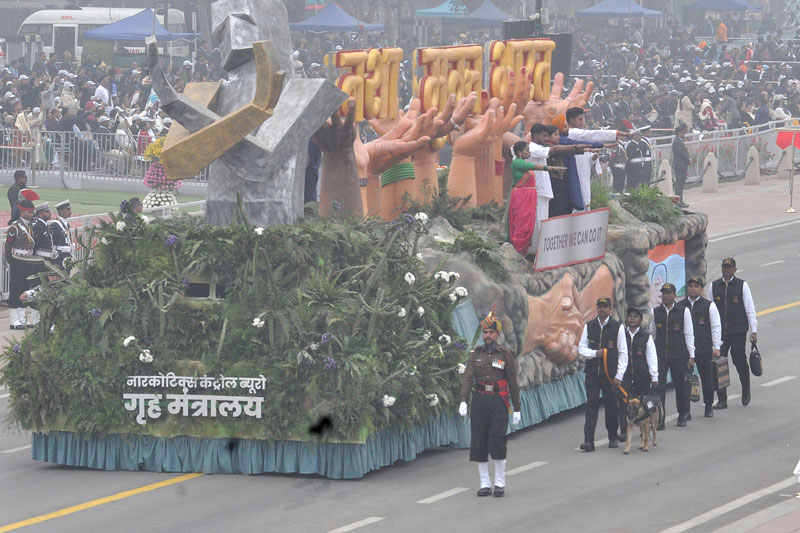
x: 583, y: 163
x: 716, y: 323
x: 622, y: 347
x: 747, y: 300
x: 688, y: 328
x: 650, y: 354
x: 102, y: 93
x: 539, y: 155
x: 592, y: 136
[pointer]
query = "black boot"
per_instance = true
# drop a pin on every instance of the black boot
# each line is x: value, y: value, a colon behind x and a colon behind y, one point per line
x: 709, y: 411
x: 746, y: 394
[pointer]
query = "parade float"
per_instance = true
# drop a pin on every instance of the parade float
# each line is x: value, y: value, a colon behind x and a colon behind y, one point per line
x: 330, y: 341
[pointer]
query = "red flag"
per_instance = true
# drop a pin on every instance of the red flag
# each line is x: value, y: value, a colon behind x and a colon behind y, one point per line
x: 784, y: 139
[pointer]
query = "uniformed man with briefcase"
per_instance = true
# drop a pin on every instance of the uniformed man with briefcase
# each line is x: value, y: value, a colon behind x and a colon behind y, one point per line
x: 707, y: 337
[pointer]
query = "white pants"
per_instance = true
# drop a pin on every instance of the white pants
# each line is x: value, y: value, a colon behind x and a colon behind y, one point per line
x: 542, y: 213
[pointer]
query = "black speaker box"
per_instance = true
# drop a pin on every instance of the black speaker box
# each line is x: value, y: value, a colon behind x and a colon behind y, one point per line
x: 520, y: 29
x: 562, y: 55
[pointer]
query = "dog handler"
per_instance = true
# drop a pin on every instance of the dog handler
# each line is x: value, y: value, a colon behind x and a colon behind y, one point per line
x: 737, y: 312
x: 707, y: 337
x: 492, y: 370
x: 642, y: 372
x: 671, y: 326
x: 602, y: 333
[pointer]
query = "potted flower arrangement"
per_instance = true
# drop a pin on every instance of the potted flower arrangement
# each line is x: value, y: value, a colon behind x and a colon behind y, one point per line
x: 163, y: 188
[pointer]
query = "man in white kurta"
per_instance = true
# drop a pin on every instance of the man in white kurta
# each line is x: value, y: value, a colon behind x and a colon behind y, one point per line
x: 576, y: 122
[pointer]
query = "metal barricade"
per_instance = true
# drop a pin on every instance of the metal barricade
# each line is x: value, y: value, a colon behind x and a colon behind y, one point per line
x: 71, y: 155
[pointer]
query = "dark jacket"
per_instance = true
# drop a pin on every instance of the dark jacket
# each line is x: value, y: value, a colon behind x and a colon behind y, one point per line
x: 680, y: 156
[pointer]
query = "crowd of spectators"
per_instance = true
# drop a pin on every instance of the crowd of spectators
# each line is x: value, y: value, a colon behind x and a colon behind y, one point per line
x: 110, y: 114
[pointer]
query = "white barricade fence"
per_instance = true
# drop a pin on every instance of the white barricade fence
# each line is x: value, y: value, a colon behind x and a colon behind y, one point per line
x: 73, y: 155
x: 78, y: 233
x: 730, y: 147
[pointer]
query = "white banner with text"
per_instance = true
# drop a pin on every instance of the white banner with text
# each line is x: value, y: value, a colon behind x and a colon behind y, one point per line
x: 572, y: 239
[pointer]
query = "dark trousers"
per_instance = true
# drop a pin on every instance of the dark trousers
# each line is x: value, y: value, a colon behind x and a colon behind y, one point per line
x: 594, y: 384
x: 704, y: 368
x: 680, y: 180
x: 619, y: 179
x: 19, y: 282
x: 735, y: 343
x: 635, y: 175
x: 677, y: 368
x: 488, y: 426
x: 559, y: 204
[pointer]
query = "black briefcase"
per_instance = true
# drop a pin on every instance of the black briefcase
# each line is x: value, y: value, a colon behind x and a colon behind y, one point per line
x: 756, y: 363
x: 720, y: 377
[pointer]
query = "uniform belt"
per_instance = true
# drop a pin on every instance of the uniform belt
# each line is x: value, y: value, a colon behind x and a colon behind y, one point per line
x: 67, y: 249
x: 48, y: 254
x: 640, y: 159
x: 487, y: 388
x: 24, y: 252
x: 619, y: 165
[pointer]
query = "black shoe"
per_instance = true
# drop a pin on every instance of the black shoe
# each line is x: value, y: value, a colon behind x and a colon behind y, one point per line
x: 682, y: 421
x: 587, y: 446
x: 721, y: 405
x: 709, y: 412
x: 660, y: 426
x: 485, y: 491
x: 613, y: 444
x: 499, y: 492
x: 745, y: 398
x: 682, y: 204
x: 688, y: 416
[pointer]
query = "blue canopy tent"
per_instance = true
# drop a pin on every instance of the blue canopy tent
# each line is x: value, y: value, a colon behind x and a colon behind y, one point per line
x: 137, y: 27
x: 443, y: 10
x: 619, y: 9
x: 721, y: 5
x: 334, y: 18
x: 487, y: 15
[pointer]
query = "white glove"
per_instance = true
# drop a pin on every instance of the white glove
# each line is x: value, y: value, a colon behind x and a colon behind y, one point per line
x: 462, y: 409
x: 516, y: 418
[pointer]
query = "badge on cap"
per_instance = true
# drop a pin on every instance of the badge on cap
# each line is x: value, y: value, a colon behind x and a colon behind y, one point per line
x: 603, y: 300
x: 668, y: 287
x: 729, y: 262
x: 696, y: 279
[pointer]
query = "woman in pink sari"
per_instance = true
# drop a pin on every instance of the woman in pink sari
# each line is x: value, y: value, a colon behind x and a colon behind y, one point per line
x: 522, y: 204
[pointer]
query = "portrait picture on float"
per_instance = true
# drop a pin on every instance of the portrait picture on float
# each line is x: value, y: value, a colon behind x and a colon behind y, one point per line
x: 667, y: 263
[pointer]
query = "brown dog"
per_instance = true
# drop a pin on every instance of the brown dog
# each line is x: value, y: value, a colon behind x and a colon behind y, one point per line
x: 637, y: 415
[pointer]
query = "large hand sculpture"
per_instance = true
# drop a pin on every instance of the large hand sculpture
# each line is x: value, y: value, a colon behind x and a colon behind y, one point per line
x: 339, y: 188
x: 467, y: 178
x: 545, y: 112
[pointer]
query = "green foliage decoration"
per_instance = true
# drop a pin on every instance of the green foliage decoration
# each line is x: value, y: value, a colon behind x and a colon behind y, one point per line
x: 483, y: 251
x: 648, y: 204
x: 326, y: 310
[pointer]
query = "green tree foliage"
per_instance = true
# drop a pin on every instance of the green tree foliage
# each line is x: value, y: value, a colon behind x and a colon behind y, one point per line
x: 341, y: 326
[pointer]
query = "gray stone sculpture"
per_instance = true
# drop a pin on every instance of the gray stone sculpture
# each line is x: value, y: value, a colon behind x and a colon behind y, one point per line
x: 267, y: 167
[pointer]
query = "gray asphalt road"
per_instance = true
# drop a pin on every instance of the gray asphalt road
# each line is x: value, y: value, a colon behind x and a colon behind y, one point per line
x: 707, y: 467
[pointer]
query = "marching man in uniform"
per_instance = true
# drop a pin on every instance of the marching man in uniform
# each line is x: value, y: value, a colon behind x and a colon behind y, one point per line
x: 492, y: 371
x: 671, y: 326
x: 20, y: 257
x: 642, y: 374
x: 707, y: 337
x: 42, y: 245
x: 737, y: 312
x: 606, y: 352
x: 59, y: 229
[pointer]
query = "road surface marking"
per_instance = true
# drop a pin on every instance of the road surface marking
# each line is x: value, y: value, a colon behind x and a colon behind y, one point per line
x: 779, y: 261
x: 351, y: 527
x: 730, y: 506
x: 525, y: 468
x: 443, y: 495
x: 6, y: 395
x: 779, y: 308
x: 13, y: 450
x: 733, y: 396
x: 748, y: 232
x: 761, y: 518
x: 99, y: 501
x: 778, y: 381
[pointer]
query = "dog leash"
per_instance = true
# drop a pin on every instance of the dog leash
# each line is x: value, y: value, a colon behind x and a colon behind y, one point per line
x: 608, y: 377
